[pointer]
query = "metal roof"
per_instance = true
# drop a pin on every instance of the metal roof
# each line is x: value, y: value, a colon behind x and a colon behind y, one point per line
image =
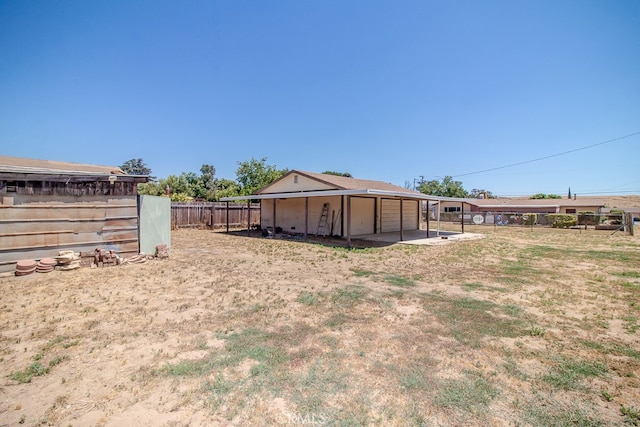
x: 36, y: 166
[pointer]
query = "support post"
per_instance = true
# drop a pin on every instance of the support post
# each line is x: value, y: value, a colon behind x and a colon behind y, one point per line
x: 438, y: 216
x: 249, y: 217
x: 274, y: 216
x: 306, y: 217
x: 349, y: 221
x: 401, y: 221
x: 227, y: 216
x: 428, y: 212
x: 462, y: 216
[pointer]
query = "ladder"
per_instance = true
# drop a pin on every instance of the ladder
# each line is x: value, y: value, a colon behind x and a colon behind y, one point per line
x: 322, y: 222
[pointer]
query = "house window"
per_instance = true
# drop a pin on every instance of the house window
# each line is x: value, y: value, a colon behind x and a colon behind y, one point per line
x: 295, y: 179
x: 571, y: 211
x: 11, y: 187
x: 449, y: 209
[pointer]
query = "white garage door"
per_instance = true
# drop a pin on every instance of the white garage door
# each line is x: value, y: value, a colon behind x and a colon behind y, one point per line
x: 362, y: 215
x: 390, y: 215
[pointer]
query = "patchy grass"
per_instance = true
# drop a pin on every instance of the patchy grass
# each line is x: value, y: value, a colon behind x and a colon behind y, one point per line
x: 524, y: 327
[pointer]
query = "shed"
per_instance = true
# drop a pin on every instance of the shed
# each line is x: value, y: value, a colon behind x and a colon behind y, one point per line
x: 329, y: 205
x: 48, y: 206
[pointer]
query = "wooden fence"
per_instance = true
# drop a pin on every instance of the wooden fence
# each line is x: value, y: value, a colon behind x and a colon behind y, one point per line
x: 213, y: 215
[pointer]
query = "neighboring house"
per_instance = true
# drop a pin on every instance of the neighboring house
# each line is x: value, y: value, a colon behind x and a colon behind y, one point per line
x: 48, y: 206
x: 521, y: 205
x: 295, y: 203
x: 503, y: 210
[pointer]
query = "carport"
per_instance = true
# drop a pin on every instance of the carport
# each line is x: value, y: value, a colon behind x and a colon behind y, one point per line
x: 360, y: 207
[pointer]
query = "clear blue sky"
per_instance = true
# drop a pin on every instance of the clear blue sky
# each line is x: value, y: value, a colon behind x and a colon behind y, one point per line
x: 386, y: 90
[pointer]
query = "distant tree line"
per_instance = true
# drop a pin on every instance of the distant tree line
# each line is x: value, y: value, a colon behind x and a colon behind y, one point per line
x: 254, y: 174
x: 251, y: 175
x: 448, y: 187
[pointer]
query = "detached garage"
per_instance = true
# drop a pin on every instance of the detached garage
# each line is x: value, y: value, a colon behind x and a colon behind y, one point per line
x: 330, y: 205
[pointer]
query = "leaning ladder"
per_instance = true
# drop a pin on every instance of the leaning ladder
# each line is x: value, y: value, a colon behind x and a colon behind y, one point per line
x: 322, y: 222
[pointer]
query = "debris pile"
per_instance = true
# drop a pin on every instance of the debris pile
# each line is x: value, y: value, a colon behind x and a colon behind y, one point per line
x: 70, y: 260
x: 100, y: 258
x: 162, y: 251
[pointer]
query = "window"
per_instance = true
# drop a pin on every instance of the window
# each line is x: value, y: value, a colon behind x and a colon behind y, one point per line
x: 295, y: 179
x: 11, y: 187
x: 571, y: 211
x: 448, y: 209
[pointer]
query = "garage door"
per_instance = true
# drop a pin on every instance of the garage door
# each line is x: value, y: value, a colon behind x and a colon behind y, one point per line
x: 390, y: 215
x: 362, y: 215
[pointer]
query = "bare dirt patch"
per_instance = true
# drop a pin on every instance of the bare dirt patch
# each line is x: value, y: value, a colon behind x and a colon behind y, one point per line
x: 529, y: 327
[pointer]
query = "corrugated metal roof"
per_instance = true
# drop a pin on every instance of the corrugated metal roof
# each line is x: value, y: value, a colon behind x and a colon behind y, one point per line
x: 24, y: 165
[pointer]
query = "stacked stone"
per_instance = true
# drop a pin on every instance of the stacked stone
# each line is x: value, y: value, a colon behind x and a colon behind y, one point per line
x: 46, y: 265
x: 25, y: 267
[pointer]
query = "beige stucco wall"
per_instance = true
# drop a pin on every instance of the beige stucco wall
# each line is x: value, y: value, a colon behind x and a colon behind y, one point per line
x: 289, y: 185
x: 290, y: 214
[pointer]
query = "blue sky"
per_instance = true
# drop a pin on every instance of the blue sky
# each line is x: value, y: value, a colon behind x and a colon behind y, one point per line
x: 386, y: 90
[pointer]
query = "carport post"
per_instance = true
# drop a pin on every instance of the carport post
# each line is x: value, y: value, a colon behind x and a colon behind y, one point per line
x: 306, y: 217
x: 438, y: 229
x: 349, y: 221
x: 462, y: 216
x: 249, y: 217
x: 401, y: 221
x: 428, y: 212
x: 227, y: 216
x: 274, y: 216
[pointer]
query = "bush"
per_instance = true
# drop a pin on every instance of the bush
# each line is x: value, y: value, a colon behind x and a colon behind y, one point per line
x: 588, y: 218
x: 532, y: 218
x: 562, y: 220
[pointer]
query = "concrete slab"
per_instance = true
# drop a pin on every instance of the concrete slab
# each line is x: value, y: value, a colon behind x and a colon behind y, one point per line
x: 419, y: 237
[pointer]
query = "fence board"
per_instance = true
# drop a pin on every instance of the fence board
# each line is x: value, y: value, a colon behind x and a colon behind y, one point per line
x: 213, y: 215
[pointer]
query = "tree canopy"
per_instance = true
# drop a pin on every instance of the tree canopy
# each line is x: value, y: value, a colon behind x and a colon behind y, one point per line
x: 448, y: 187
x: 137, y: 167
x: 254, y: 174
x: 345, y: 174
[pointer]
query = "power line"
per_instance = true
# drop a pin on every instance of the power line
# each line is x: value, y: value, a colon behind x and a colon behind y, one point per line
x: 548, y: 157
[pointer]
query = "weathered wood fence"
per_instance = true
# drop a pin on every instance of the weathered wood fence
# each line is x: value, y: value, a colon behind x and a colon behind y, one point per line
x: 213, y: 215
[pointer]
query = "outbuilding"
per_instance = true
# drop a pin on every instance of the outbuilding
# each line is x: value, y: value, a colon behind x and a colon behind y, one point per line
x: 305, y: 203
x: 48, y: 206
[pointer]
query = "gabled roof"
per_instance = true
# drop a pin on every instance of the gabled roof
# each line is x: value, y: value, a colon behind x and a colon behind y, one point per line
x: 343, y: 182
x: 339, y: 186
x: 35, y: 166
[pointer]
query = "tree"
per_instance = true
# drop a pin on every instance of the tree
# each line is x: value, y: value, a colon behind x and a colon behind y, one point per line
x: 254, y: 174
x: 208, y: 173
x: 345, y: 174
x: 226, y: 188
x: 545, y: 196
x: 137, y: 167
x: 445, y: 188
x: 481, y: 193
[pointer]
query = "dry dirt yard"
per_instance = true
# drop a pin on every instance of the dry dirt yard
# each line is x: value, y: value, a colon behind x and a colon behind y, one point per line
x: 524, y: 327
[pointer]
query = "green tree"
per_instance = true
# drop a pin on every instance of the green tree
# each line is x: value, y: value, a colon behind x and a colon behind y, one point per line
x: 226, y: 188
x: 254, y: 174
x: 445, y: 188
x: 137, y: 167
x: 345, y: 174
x: 478, y: 193
x: 545, y: 196
x: 208, y: 178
